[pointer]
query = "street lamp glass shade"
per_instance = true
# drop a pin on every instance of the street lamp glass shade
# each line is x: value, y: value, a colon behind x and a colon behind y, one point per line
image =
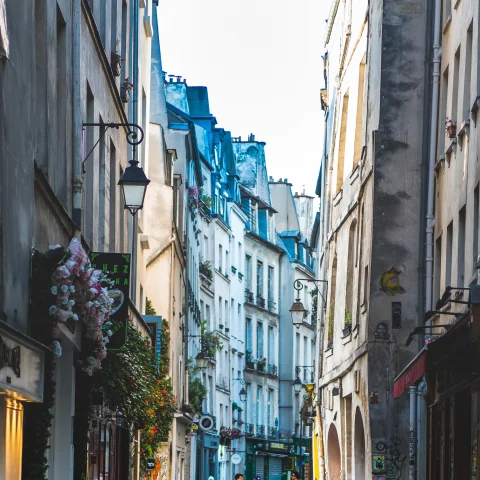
x: 297, y: 385
x: 202, y: 360
x: 298, y: 312
x: 243, y: 395
x: 134, y: 186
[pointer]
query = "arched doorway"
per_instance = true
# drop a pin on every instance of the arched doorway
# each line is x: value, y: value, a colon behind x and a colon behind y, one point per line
x: 359, y: 446
x: 334, y: 464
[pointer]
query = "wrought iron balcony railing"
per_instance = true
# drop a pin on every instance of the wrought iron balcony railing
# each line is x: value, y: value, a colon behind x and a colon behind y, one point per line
x: 261, y: 430
x: 260, y: 301
x: 272, y: 370
x: 272, y: 306
x: 272, y: 432
x: 249, y: 429
x: 248, y: 296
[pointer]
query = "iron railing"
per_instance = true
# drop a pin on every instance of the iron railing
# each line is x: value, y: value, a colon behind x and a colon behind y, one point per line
x: 260, y: 301
x: 272, y: 370
x: 272, y: 306
x: 261, y: 430
x: 249, y: 429
x: 272, y: 432
x: 248, y: 296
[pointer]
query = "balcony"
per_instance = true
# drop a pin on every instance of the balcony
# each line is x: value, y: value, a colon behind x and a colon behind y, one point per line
x: 249, y: 429
x: 272, y: 306
x: 249, y: 296
x: 205, y: 281
x: 272, y: 432
x: 260, y: 301
x: 260, y: 430
x: 272, y: 370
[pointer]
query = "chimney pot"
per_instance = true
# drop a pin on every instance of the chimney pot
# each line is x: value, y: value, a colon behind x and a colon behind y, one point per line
x: 286, y: 180
x: 280, y: 180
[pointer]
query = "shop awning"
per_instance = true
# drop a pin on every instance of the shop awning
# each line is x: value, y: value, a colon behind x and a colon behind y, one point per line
x: 410, y: 374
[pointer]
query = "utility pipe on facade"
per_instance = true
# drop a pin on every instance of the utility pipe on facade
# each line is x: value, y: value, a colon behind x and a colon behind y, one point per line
x: 430, y: 223
x: 77, y: 120
x: 421, y: 437
x: 412, y: 438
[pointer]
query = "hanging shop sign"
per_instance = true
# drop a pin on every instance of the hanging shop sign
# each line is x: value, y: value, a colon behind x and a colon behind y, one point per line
x: 21, y: 366
x: 150, y: 464
x: 117, y: 267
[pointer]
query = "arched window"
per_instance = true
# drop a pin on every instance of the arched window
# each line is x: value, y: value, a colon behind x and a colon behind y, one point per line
x: 350, y: 270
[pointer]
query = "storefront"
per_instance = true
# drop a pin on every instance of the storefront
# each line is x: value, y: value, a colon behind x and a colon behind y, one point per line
x: 22, y: 363
x: 268, y: 459
x: 450, y: 366
x: 207, y: 455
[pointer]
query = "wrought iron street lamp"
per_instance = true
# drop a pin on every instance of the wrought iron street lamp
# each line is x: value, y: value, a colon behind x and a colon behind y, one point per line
x: 202, y: 360
x: 298, y: 311
x: 243, y: 395
x: 134, y: 185
x: 297, y: 385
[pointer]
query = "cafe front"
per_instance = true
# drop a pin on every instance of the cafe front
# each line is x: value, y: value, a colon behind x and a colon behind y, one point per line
x: 21, y: 380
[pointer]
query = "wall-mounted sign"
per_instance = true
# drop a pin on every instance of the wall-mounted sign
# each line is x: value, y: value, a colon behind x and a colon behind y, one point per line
x: 10, y: 357
x: 117, y: 265
x: 150, y: 464
x: 21, y: 366
x: 277, y: 446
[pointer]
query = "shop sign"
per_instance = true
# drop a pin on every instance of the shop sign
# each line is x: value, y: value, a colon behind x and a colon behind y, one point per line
x: 278, y: 446
x: 210, y: 442
x: 117, y: 265
x: 21, y: 366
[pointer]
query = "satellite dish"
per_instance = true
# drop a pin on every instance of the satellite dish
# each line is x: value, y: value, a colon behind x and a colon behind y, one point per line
x: 236, y: 459
x: 206, y: 422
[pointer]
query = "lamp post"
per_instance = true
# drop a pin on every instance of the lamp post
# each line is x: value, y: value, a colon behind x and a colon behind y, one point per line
x: 298, y: 311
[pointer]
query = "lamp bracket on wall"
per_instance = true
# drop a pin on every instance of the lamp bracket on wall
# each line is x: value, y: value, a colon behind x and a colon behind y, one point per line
x: 134, y: 134
x: 298, y: 286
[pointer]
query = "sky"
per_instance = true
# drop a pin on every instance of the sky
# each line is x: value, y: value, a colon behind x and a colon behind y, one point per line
x: 261, y: 61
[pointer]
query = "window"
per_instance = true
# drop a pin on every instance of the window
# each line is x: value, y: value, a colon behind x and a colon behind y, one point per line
x: 448, y: 259
x: 259, y: 278
x: 260, y: 354
x: 220, y: 305
x: 207, y: 315
x: 271, y: 286
x: 349, y: 293
x: 259, y: 412
x: 271, y: 346
x: 62, y: 120
x: 253, y: 217
x: 206, y: 255
x: 239, y: 252
x: 227, y: 265
x: 342, y: 144
x: 4, y: 47
x: 455, y: 86
x: 437, y: 273
x: 357, y: 153
x: 476, y: 212
x: 248, y: 334
x: 467, y: 75
x: 447, y: 11
x: 248, y: 271
x: 220, y: 258
x: 114, y: 208
x: 270, y: 408
x: 176, y: 200
x: 227, y: 317
x: 461, y: 248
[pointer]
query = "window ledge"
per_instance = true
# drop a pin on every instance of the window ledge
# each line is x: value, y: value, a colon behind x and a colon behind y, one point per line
x: 452, y: 146
x: 447, y: 24
x: 338, y: 197
x: 347, y: 338
x: 355, y: 173
x: 363, y: 307
x: 329, y: 352
x: 464, y: 128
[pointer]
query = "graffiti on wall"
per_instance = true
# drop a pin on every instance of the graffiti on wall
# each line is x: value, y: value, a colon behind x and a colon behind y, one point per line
x: 388, y: 459
x: 390, y: 282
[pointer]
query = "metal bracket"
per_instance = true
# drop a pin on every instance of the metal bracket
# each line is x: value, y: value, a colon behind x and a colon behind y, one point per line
x: 133, y: 138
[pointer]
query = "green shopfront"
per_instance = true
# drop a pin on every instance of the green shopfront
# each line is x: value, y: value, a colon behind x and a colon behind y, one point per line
x: 270, y: 460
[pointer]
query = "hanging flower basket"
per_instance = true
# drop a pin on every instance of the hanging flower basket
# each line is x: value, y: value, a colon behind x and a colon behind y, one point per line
x: 230, y: 433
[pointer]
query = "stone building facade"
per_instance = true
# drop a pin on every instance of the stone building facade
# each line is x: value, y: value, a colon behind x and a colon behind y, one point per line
x: 371, y: 186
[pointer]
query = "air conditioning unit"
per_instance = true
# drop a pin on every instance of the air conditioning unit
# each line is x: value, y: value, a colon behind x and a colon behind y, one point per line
x: 206, y: 423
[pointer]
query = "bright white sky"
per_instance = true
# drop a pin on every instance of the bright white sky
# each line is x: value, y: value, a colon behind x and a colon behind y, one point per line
x: 261, y: 61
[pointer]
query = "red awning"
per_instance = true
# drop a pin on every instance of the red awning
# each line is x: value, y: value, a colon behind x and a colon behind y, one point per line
x: 410, y: 374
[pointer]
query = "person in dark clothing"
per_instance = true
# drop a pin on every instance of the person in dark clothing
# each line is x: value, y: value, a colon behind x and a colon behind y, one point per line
x: 296, y: 475
x: 239, y: 476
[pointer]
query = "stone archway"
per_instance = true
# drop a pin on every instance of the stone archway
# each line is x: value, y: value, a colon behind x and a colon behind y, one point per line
x: 334, y: 456
x: 359, y: 446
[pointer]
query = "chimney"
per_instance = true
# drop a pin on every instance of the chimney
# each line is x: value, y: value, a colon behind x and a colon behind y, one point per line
x: 280, y: 180
x: 251, y: 137
x: 270, y: 178
x: 286, y: 180
x: 296, y: 194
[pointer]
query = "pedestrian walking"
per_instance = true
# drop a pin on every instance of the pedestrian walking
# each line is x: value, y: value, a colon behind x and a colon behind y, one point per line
x: 296, y: 475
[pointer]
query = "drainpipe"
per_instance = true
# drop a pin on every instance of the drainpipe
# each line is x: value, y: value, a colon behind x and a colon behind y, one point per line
x: 412, y: 440
x: 421, y: 435
x: 77, y: 150
x: 430, y: 224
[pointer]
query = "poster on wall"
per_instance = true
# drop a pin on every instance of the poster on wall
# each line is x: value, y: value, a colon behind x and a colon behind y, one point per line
x: 117, y: 266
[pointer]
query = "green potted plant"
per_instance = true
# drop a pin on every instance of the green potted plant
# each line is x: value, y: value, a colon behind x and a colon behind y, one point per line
x: 261, y: 364
x: 249, y: 359
x: 348, y: 323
